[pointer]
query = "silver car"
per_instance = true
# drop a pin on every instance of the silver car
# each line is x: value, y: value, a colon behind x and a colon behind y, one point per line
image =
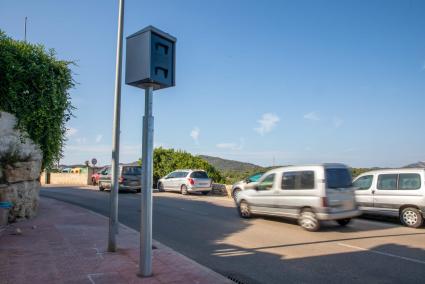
x: 393, y: 192
x: 129, y: 178
x: 186, y: 181
x: 307, y: 193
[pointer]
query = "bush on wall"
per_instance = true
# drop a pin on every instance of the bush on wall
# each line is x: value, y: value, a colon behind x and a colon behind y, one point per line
x: 34, y: 87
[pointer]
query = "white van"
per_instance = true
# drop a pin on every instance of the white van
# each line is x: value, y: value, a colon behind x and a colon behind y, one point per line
x: 307, y: 193
x: 393, y: 192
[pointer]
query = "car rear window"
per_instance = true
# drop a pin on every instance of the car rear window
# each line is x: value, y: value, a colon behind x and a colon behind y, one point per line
x: 199, y: 175
x: 132, y: 171
x: 338, y: 178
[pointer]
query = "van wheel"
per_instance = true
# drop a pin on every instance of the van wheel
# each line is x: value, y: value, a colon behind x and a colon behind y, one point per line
x: 101, y: 188
x: 161, y: 187
x: 244, y: 210
x: 308, y: 221
x: 411, y: 217
x: 343, y: 222
x: 183, y: 190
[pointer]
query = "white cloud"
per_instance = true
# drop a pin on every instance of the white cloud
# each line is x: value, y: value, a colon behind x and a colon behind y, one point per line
x: 337, y: 122
x: 71, y: 132
x: 232, y: 145
x: 99, y: 138
x: 312, y: 116
x: 195, y: 134
x: 81, y: 140
x: 267, y: 122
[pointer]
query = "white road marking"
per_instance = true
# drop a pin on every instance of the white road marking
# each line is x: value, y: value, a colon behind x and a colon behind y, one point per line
x: 383, y: 253
x: 99, y: 253
x: 89, y: 276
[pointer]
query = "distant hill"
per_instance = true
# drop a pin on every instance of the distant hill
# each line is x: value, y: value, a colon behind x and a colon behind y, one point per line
x: 416, y: 165
x: 230, y: 165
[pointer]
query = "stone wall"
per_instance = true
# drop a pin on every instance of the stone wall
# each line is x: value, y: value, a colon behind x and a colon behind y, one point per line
x: 20, y: 167
x: 68, y: 178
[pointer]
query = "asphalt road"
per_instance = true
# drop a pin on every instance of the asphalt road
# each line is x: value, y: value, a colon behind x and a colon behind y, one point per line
x: 269, y: 250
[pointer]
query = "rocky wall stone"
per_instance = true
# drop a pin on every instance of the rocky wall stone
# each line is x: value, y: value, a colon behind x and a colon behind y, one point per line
x: 22, y: 171
x: 24, y: 199
x: 20, y: 168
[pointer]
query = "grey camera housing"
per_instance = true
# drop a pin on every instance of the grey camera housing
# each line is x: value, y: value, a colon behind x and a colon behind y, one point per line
x: 151, y: 59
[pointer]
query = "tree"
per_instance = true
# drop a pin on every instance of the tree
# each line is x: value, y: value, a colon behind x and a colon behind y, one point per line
x: 168, y: 160
x: 34, y: 87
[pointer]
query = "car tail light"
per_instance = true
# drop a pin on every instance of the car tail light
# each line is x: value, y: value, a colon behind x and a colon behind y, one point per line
x: 325, y: 202
x: 191, y: 181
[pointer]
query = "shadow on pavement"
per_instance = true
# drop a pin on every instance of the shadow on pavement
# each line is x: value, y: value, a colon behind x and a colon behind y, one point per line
x: 200, y: 230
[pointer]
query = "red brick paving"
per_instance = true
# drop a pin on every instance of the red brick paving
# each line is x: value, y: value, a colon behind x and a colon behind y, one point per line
x: 67, y: 244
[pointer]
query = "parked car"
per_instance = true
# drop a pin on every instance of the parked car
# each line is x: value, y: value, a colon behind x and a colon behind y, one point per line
x: 186, y: 181
x: 307, y: 193
x: 393, y: 192
x: 240, y: 185
x: 95, y: 177
x: 129, y: 178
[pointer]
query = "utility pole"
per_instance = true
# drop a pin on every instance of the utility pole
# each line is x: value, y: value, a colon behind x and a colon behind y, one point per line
x: 25, y: 33
x: 113, y: 213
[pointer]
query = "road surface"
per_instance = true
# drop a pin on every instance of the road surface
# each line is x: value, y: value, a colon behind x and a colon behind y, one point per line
x: 269, y: 250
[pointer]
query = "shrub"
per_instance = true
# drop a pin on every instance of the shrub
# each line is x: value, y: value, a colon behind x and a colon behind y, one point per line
x: 168, y: 160
x: 34, y: 87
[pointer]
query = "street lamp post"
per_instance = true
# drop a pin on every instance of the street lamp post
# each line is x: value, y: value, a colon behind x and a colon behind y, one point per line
x: 113, y: 213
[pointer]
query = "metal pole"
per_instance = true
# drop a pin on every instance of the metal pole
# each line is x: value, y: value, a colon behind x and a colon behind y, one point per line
x: 145, y: 266
x: 113, y: 213
x: 25, y: 36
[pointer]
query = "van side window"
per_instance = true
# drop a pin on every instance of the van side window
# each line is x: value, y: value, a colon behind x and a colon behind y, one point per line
x: 363, y: 182
x: 409, y: 181
x: 267, y: 182
x: 298, y: 180
x: 387, y: 181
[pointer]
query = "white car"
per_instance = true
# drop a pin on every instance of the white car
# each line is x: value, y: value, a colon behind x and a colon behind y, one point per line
x: 186, y: 181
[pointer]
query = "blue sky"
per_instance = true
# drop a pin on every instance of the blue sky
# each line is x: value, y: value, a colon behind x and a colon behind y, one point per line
x: 258, y: 81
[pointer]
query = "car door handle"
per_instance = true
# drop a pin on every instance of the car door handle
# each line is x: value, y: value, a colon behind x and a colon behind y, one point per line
x: 373, y: 191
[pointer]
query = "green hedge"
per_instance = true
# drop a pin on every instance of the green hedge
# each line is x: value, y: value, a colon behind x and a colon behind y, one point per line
x: 34, y: 87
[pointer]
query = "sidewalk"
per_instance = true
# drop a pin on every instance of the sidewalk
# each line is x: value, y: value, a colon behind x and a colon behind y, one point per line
x: 66, y: 244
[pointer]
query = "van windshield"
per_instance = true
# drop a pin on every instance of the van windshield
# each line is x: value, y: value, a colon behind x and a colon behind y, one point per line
x: 338, y: 178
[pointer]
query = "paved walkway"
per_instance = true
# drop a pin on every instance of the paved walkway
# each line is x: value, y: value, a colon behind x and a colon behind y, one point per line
x: 66, y: 244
